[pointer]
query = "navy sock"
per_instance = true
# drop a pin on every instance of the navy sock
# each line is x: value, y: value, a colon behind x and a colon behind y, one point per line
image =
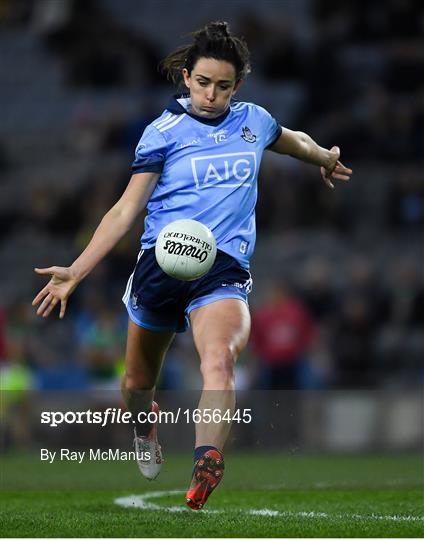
x: 143, y: 428
x: 200, y: 450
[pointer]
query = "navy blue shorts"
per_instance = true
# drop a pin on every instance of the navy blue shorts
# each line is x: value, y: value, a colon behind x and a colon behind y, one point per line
x: 159, y: 302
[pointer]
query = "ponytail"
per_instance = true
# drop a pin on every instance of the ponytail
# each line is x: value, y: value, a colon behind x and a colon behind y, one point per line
x: 212, y: 41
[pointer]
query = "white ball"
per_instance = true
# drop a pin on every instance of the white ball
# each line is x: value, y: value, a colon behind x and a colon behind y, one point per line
x: 185, y: 249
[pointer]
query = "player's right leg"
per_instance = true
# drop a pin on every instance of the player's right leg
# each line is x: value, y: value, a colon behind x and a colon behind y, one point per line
x: 145, y: 353
x: 220, y: 331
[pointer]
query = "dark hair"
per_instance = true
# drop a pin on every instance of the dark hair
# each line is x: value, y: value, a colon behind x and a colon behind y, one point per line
x: 212, y: 41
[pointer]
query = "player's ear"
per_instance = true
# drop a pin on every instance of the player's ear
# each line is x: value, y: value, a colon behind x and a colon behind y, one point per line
x: 186, y: 77
x: 237, y: 85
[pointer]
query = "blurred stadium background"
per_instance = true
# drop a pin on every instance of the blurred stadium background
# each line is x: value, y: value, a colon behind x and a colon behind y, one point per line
x: 338, y: 276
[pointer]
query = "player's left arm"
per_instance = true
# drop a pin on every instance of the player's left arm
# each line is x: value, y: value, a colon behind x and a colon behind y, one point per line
x: 303, y: 147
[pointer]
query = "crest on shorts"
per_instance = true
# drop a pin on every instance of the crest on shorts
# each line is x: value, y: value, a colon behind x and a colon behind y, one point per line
x: 247, y: 135
x: 134, y: 301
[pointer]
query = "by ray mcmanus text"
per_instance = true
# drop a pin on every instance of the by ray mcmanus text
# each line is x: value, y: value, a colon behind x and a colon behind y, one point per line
x: 92, y: 454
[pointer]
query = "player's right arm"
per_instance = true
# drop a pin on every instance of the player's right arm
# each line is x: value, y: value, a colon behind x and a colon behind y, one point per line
x: 115, y: 223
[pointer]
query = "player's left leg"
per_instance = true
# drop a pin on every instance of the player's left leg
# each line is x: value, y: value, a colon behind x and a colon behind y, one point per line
x: 220, y: 331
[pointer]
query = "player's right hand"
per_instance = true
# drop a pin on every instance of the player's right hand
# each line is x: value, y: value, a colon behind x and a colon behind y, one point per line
x: 59, y: 288
x: 335, y: 170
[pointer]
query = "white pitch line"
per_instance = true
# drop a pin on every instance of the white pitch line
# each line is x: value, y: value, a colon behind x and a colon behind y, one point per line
x: 143, y: 502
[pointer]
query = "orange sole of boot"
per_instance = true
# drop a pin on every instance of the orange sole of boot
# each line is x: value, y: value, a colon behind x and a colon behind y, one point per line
x: 209, y: 472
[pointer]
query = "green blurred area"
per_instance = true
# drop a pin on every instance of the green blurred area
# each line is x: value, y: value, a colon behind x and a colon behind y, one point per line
x: 244, y: 471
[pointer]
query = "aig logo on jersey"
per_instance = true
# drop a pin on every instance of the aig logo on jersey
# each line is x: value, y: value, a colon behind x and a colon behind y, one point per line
x: 236, y: 169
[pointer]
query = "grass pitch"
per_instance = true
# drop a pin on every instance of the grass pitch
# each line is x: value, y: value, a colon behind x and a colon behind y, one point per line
x: 269, y: 495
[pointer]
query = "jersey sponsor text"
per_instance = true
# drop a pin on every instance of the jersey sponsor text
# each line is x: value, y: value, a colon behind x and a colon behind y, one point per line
x: 236, y: 169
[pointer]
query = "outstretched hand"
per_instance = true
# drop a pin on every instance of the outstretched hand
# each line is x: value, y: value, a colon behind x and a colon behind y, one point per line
x: 58, y: 289
x: 335, y: 170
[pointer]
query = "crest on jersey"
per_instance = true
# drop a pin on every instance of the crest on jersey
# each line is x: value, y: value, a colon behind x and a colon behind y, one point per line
x: 248, y: 135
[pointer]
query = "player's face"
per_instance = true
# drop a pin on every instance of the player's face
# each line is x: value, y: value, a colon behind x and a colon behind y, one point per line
x: 211, y: 84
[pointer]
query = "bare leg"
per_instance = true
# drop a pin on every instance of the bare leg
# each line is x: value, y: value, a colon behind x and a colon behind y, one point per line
x: 146, y: 350
x: 220, y: 331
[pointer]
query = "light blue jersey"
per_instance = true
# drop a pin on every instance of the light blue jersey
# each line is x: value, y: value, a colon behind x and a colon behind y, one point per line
x: 209, y: 171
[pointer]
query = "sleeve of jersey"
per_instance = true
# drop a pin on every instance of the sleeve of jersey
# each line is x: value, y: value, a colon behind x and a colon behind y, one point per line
x: 271, y: 127
x: 150, y: 153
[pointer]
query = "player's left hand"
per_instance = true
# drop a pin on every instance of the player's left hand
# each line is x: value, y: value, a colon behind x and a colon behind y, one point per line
x: 335, y: 170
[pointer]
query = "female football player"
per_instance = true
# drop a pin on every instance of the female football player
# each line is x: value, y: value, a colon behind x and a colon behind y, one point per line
x: 199, y: 160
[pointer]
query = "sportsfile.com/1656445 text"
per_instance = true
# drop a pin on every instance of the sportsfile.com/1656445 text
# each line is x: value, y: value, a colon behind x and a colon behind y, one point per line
x: 113, y: 415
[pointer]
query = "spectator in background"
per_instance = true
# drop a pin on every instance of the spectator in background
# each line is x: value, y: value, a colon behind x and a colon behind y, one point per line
x: 364, y: 282
x: 318, y: 290
x: 405, y: 205
x: 353, y: 344
x: 101, y: 338
x: 283, y: 334
x: 15, y: 384
x: 56, y: 363
x: 363, y: 311
x: 400, y: 343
